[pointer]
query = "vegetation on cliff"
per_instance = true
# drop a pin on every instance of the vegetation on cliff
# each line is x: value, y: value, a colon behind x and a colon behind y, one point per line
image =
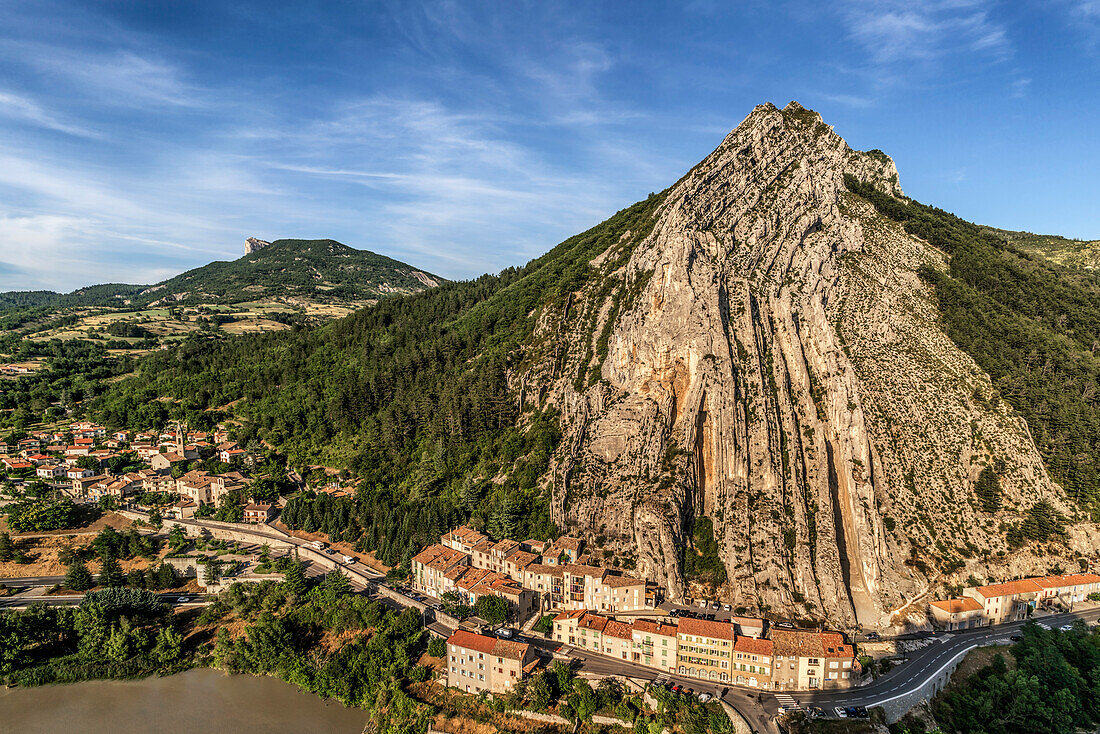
x: 412, y: 396
x: 1031, y: 324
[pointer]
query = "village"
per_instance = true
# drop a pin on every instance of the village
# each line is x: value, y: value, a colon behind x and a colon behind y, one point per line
x: 554, y: 595
x: 603, y: 611
x: 88, y: 464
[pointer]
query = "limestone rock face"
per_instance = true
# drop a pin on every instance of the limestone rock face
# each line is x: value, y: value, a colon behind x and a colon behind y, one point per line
x: 252, y: 244
x: 773, y: 362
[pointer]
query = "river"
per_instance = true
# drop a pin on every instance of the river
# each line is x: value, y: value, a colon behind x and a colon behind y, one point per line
x: 199, y: 700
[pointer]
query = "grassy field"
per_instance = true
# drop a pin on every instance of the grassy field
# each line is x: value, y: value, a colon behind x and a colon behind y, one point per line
x: 172, y: 324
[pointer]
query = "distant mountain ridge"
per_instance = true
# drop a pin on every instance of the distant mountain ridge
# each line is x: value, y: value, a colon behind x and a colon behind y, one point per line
x: 319, y: 270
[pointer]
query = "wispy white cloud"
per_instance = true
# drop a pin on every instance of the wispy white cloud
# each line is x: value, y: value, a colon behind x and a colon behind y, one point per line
x: 904, y: 31
x: 21, y: 108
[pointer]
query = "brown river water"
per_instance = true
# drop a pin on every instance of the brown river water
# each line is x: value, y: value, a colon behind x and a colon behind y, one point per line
x: 199, y: 700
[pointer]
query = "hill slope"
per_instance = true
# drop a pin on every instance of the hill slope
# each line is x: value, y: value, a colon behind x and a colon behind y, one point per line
x: 314, y: 269
x: 318, y: 270
x: 774, y: 377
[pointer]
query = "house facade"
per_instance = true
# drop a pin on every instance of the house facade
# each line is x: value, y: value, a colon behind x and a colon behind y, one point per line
x: 477, y: 663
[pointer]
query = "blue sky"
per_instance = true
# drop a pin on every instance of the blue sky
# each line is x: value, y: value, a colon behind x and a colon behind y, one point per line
x: 138, y: 139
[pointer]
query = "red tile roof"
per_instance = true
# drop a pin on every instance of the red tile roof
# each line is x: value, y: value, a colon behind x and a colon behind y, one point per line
x: 954, y: 606
x: 1073, y: 579
x: 489, y: 645
x: 648, y: 626
x: 706, y: 628
x: 753, y: 646
x: 1024, y: 586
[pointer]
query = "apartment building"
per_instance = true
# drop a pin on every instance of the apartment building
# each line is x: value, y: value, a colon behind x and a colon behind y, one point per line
x: 752, y: 662
x: 1013, y: 600
x: 431, y: 568
x: 1068, y: 589
x: 1007, y: 602
x: 704, y: 649
x: 654, y: 644
x: 478, y: 663
x: 809, y: 660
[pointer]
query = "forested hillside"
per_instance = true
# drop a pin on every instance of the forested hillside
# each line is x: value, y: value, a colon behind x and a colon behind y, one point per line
x: 411, y: 395
x: 1031, y: 324
x: 317, y: 269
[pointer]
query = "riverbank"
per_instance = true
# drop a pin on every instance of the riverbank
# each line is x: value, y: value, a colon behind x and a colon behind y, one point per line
x: 200, y: 699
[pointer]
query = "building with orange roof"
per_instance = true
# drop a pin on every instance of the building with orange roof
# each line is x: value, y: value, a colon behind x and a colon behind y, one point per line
x: 752, y: 662
x: 804, y: 659
x: 958, y: 614
x: 655, y: 644
x: 433, y: 569
x: 1007, y: 602
x: 1069, y: 589
x: 704, y: 649
x: 477, y: 663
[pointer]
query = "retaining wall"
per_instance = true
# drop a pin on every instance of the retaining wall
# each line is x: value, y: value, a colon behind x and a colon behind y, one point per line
x: 898, y: 706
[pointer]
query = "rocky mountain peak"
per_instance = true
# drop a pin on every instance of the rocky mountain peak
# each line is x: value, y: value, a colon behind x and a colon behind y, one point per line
x: 768, y: 360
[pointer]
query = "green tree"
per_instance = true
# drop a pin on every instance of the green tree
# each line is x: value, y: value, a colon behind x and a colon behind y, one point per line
x: 7, y: 548
x: 989, y: 491
x: 77, y: 577
x: 167, y: 577
x: 492, y: 609
x: 211, y: 572
x: 437, y: 647
x: 110, y: 573
x: 169, y: 646
x: 177, y: 539
x: 155, y: 519
x: 583, y: 700
x: 118, y: 647
x: 295, y: 579
x: 538, y: 691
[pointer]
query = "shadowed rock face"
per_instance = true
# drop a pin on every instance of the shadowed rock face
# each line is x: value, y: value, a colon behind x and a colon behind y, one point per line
x: 774, y: 362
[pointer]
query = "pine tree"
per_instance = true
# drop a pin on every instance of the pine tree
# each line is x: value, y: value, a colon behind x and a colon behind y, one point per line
x: 295, y: 579
x: 211, y: 573
x: 166, y: 576
x: 988, y: 489
x: 78, y: 578
x: 7, y: 547
x: 110, y: 573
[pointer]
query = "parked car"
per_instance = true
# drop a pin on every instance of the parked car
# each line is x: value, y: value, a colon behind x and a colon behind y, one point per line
x: 676, y: 688
x: 704, y: 697
x: 872, y: 636
x: 856, y: 712
x: 1066, y: 627
x: 726, y: 608
x: 840, y: 712
x: 816, y: 712
x: 504, y: 633
x: 716, y: 606
x: 1015, y: 638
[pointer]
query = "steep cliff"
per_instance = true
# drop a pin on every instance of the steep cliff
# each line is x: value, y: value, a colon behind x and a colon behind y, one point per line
x: 768, y: 357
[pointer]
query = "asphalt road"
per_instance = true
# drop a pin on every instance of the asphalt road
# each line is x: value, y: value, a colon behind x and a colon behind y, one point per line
x: 925, y: 664
x: 73, y: 600
x: 32, y: 581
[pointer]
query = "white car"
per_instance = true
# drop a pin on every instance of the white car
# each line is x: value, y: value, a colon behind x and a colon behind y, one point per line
x: 840, y: 712
x: 349, y: 560
x: 704, y: 697
x: 504, y: 633
x: 1066, y: 627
